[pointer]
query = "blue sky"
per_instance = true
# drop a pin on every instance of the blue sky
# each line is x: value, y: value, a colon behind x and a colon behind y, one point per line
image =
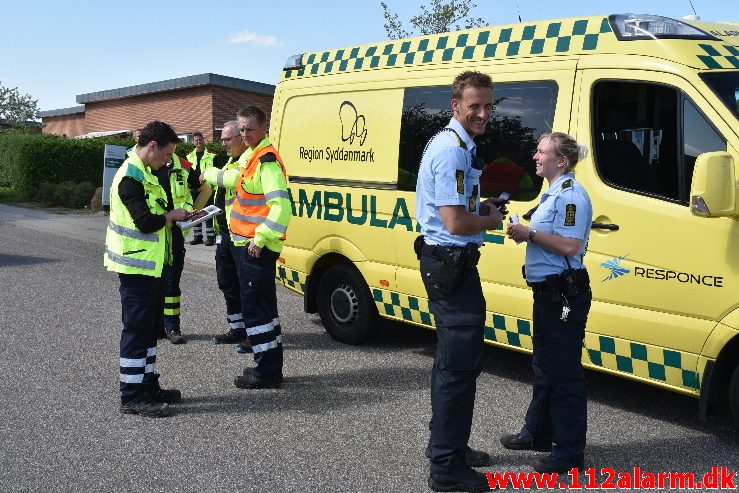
x: 57, y: 50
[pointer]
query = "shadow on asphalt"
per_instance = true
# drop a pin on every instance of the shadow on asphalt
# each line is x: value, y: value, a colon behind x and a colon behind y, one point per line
x: 609, y: 390
x: 20, y: 260
x: 316, y: 394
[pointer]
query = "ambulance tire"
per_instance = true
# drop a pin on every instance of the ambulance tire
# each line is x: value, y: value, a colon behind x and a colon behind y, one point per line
x: 734, y: 396
x: 346, y: 307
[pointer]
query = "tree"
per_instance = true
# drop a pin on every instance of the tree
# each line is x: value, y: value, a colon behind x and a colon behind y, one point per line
x: 442, y: 17
x: 17, y: 108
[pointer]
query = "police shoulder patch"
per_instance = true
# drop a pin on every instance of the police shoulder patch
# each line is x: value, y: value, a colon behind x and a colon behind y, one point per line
x: 570, y: 214
x: 460, y: 181
x: 566, y: 184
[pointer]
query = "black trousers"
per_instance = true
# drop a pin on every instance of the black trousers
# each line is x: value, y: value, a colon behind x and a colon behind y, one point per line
x: 141, y: 311
x: 558, y: 409
x: 171, y: 275
x: 228, y: 258
x: 259, y: 308
x: 460, y: 318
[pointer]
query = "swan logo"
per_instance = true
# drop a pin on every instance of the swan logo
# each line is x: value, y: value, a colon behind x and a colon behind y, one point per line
x: 353, y: 125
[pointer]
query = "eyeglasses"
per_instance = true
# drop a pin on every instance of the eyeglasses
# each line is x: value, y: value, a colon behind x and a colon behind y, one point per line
x: 226, y: 140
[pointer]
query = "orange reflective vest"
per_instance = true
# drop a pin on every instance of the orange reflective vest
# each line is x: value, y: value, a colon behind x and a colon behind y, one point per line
x: 250, y: 210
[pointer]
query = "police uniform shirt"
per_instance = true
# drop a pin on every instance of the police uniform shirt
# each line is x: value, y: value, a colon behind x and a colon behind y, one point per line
x: 446, y: 178
x: 565, y: 210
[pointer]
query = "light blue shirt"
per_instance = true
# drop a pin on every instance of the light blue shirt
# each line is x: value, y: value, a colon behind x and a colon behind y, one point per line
x: 446, y: 177
x: 565, y: 210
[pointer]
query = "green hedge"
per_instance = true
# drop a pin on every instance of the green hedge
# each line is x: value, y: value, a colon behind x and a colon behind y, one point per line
x: 26, y: 161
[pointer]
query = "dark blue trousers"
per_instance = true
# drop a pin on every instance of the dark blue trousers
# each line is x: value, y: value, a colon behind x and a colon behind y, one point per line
x: 460, y: 318
x: 171, y: 275
x: 228, y: 258
x: 141, y: 307
x: 558, y: 409
x: 259, y: 307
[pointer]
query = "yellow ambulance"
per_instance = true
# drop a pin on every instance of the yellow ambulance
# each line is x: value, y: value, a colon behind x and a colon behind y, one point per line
x: 656, y: 100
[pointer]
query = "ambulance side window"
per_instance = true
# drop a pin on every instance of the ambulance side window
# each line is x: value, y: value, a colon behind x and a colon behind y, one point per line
x: 638, y: 138
x: 699, y: 137
x: 523, y: 110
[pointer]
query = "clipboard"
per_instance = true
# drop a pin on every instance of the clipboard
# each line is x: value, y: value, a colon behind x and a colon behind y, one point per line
x: 197, y: 217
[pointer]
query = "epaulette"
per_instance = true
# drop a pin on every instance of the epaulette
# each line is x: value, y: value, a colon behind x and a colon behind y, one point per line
x: 445, y: 129
x: 135, y: 173
x: 185, y: 164
x: 268, y: 158
x: 566, y: 184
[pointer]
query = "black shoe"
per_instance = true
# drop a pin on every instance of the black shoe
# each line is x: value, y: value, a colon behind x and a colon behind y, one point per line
x: 466, y: 479
x: 169, y: 396
x: 473, y: 458
x: 198, y: 240
x: 176, y: 337
x: 251, y: 382
x: 231, y: 337
x: 550, y: 464
x: 244, y: 347
x: 519, y: 442
x: 248, y: 371
x: 210, y: 241
x: 145, y: 405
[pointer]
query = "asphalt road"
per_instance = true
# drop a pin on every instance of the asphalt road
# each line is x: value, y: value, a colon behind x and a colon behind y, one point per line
x: 347, y: 419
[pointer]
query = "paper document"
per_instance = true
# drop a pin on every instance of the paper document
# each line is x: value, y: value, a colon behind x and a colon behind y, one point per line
x: 197, y: 217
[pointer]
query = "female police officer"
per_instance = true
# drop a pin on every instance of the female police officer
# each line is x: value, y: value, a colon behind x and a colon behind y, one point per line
x: 557, y: 239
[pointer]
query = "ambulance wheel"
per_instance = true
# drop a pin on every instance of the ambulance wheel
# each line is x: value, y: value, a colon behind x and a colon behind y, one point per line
x: 734, y: 396
x: 345, y: 305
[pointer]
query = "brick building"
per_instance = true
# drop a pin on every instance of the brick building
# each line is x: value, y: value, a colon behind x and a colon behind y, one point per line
x: 195, y: 103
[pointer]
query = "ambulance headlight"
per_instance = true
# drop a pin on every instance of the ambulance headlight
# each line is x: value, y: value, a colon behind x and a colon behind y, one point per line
x: 637, y: 26
x: 294, y: 62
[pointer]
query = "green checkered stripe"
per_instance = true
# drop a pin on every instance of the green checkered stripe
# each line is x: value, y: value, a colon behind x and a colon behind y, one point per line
x: 403, y: 307
x: 508, y: 331
x: 642, y: 360
x: 661, y: 365
x: 719, y: 56
x: 499, y: 329
x: 292, y: 279
x: 561, y: 37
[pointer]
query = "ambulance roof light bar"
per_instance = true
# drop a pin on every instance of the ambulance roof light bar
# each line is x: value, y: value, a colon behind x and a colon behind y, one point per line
x: 628, y: 27
x: 295, y: 61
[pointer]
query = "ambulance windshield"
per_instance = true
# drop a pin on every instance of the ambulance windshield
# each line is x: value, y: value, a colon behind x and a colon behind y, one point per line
x: 726, y: 87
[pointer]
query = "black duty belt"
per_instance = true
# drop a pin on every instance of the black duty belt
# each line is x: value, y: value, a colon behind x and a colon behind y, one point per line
x: 439, y: 252
x: 554, y: 282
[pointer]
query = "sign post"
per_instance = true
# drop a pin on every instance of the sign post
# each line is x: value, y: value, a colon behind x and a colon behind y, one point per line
x: 113, y: 158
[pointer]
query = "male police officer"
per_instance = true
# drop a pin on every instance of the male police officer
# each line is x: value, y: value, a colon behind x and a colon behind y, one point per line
x: 202, y: 160
x: 452, y: 221
x: 136, y: 247
x: 228, y: 254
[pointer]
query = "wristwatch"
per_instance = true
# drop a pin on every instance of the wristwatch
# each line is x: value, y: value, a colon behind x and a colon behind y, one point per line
x: 532, y: 233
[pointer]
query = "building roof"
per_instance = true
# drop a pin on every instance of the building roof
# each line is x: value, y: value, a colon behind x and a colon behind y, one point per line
x: 62, y: 111
x: 179, y: 83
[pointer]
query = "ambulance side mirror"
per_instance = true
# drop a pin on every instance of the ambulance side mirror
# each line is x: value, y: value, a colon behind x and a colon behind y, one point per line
x: 713, y: 191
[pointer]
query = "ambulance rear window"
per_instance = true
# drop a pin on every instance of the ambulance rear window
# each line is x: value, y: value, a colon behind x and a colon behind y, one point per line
x: 726, y: 87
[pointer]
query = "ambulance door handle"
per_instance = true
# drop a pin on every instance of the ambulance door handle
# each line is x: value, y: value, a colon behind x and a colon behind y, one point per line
x: 611, y: 227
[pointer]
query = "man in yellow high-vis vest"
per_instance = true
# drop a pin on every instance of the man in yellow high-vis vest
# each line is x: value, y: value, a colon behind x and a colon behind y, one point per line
x: 259, y: 218
x: 137, y: 246
x: 201, y: 160
x: 228, y: 254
